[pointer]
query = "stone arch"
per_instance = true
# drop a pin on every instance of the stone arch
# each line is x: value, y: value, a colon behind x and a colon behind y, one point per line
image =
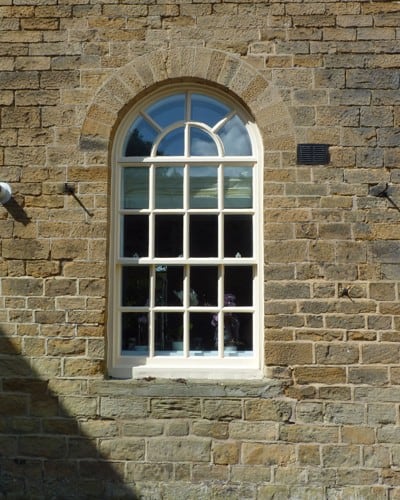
x: 191, y: 63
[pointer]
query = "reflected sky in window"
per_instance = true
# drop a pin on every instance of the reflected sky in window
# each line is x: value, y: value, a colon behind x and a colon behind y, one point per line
x: 171, y: 112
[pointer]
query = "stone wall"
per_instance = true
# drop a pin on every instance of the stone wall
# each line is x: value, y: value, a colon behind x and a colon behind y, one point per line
x: 324, y: 423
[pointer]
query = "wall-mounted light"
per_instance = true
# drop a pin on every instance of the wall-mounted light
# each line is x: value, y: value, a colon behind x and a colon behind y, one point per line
x: 5, y: 192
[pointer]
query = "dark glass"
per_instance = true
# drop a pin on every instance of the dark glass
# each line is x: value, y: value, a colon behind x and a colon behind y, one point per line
x: 235, y: 138
x: 239, y: 284
x: 203, y: 236
x: 201, y: 143
x: 135, y: 333
x: 204, y: 281
x: 207, y: 110
x: 238, y: 236
x: 135, y: 236
x: 202, y: 330
x: 140, y: 138
x: 169, y: 285
x: 168, y: 235
x: 168, y: 332
x: 173, y: 143
x: 135, y: 286
x: 238, y: 332
x: 169, y: 187
x: 135, y: 183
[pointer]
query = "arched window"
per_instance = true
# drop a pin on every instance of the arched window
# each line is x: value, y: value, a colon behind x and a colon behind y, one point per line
x: 186, y: 248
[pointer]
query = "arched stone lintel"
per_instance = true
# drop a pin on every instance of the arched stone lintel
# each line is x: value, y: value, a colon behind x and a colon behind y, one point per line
x: 192, y: 63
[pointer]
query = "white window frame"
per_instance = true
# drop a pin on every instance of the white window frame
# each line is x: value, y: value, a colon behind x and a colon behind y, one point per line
x: 123, y: 366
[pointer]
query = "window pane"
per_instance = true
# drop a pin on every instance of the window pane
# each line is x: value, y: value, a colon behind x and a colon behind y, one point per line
x: 140, y: 138
x: 238, y: 236
x: 238, y: 332
x: 168, y: 235
x: 169, y: 285
x: 204, y: 282
x: 203, y: 187
x: 202, y: 334
x: 135, y: 333
x: 207, y: 110
x: 135, y: 236
x: 135, y: 187
x: 203, y: 236
x: 168, y: 110
x: 235, y: 138
x: 238, y: 285
x: 172, y: 144
x: 238, y: 187
x: 169, y: 187
x: 168, y: 332
x: 201, y: 143
x: 135, y: 286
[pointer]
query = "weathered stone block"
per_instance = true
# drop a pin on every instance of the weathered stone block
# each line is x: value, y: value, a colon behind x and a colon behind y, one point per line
x: 179, y: 449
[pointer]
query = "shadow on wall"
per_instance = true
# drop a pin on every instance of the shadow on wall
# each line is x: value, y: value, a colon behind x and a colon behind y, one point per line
x: 45, y: 452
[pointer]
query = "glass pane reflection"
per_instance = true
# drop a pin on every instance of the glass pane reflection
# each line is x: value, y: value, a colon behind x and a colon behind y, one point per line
x: 135, y: 236
x: 203, y: 236
x: 168, y: 333
x: 204, y: 282
x: 201, y: 335
x: 201, y: 143
x: 169, y: 285
x: 140, y: 138
x: 135, y: 333
x: 238, y: 285
x: 172, y: 144
x: 207, y: 110
x: 238, y: 187
x: 168, y: 235
x: 235, y: 138
x: 135, y: 182
x: 203, y: 187
x: 169, y: 187
x: 238, y: 236
x: 168, y: 110
x: 135, y: 286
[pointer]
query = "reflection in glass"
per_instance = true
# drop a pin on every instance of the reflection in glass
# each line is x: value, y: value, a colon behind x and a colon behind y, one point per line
x: 203, y: 236
x: 135, y: 186
x: 168, y: 110
x: 238, y: 236
x: 207, y: 110
x: 169, y: 332
x: 140, y: 138
x: 203, y: 187
x: 135, y: 286
x: 135, y: 236
x: 239, y: 283
x: 201, y: 143
x: 168, y: 235
x: 238, y: 328
x: 173, y: 144
x: 169, y: 187
x: 238, y: 187
x: 204, y: 281
x: 235, y: 138
x: 135, y: 333
x: 201, y: 335
x: 169, y: 285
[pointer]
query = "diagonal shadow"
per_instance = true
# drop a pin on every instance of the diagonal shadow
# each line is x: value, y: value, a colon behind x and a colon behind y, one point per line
x: 44, y: 451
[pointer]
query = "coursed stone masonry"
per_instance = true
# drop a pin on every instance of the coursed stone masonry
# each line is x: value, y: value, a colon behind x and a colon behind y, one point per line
x: 324, y: 423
